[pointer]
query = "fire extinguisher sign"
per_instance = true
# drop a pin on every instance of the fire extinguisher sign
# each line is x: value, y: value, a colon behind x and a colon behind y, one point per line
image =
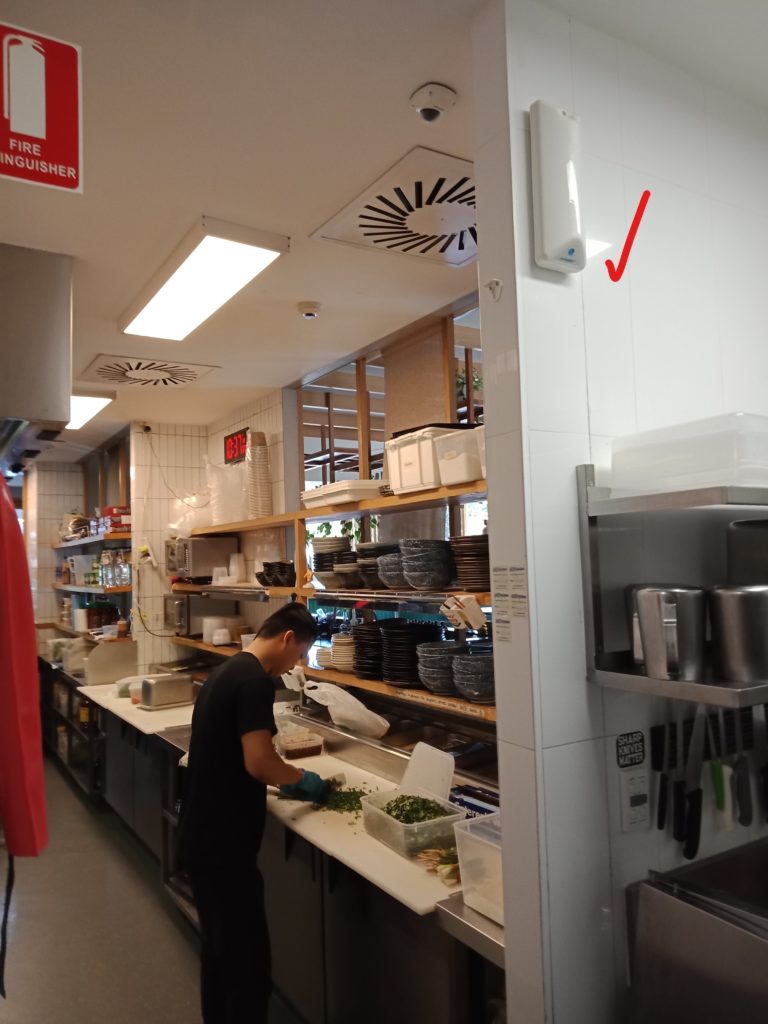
x: 41, y: 138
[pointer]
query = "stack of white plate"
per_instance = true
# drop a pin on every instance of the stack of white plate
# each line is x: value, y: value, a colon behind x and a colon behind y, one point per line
x: 259, y: 481
x: 325, y: 657
x: 343, y: 652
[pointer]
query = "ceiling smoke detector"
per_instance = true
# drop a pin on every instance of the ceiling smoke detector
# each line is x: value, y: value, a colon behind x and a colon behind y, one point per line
x: 140, y: 372
x: 309, y: 310
x: 424, y: 206
x: 433, y: 99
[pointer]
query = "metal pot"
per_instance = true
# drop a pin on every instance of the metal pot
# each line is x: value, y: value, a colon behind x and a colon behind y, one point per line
x: 673, y: 624
x: 740, y: 633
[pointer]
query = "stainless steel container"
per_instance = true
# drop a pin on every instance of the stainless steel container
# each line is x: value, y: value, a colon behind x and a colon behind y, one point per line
x: 673, y: 623
x: 633, y: 620
x: 740, y: 633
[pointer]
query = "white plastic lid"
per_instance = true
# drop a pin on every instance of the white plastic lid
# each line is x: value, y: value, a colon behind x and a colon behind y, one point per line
x: 430, y: 770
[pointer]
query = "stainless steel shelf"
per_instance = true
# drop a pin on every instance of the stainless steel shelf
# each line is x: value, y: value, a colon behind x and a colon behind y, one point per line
x: 472, y: 929
x: 724, y: 695
x: 600, y: 502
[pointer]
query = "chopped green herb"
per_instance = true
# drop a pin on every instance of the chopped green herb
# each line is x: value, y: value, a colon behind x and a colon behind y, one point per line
x: 409, y: 810
x: 342, y: 800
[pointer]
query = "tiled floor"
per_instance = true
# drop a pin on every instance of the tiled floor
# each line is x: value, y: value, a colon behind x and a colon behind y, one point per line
x: 93, y: 940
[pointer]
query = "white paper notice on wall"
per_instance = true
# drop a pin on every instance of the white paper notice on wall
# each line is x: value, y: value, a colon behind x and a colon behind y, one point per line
x: 510, y: 592
x: 502, y: 630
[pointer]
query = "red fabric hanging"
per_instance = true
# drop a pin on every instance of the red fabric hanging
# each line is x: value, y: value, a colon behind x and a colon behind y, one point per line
x: 22, y: 788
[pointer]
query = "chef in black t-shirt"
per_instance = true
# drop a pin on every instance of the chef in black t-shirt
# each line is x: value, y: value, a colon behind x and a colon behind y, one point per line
x: 231, y: 762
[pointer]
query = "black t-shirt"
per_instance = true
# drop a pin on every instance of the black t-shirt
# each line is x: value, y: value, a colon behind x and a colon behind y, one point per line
x: 224, y: 808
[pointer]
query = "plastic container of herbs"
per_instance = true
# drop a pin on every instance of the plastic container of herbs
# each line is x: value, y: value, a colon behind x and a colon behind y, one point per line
x: 429, y: 776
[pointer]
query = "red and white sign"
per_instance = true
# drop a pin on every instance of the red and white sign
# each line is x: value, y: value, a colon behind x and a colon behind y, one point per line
x: 41, y: 124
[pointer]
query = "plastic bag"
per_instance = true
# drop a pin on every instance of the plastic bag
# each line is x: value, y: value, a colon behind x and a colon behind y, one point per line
x: 228, y: 487
x: 190, y: 512
x: 346, y: 710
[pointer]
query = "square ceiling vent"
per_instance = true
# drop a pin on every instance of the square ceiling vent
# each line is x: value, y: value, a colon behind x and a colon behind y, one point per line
x: 144, y: 373
x: 424, y: 206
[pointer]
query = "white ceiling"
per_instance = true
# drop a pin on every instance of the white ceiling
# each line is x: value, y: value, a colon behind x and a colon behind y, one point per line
x: 273, y: 114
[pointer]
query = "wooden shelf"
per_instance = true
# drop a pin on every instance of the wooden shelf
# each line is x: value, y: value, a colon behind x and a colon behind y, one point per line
x: 66, y: 630
x: 396, y: 596
x: 72, y: 589
x: 241, y: 593
x: 97, y: 538
x: 223, y: 652
x: 454, y: 705
x: 249, y: 525
x: 188, y: 588
x: 454, y: 494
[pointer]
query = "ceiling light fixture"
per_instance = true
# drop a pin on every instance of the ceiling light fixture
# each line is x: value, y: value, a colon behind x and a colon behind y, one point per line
x: 211, y: 264
x: 83, y: 408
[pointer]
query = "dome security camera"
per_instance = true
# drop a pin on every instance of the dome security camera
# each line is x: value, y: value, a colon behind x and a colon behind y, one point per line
x: 309, y: 310
x: 433, y: 99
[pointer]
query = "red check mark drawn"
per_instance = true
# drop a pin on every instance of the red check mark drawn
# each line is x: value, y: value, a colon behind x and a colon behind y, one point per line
x: 615, y: 273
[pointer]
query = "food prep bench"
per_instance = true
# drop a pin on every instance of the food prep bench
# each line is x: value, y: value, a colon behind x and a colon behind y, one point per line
x: 363, y: 908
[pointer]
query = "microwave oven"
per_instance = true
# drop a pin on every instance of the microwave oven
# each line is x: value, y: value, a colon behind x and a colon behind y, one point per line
x: 184, y: 613
x: 196, y: 557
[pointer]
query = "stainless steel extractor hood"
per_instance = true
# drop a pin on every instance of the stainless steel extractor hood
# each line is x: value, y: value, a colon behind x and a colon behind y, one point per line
x: 35, y: 350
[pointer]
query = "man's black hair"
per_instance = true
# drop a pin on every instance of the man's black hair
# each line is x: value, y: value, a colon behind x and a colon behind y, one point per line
x: 294, y: 617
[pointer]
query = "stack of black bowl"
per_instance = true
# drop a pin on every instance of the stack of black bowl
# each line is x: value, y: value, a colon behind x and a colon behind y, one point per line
x: 436, y: 665
x: 473, y: 675
x: 427, y: 564
x: 473, y: 565
x: 277, y: 574
x: 390, y: 571
x: 368, y: 554
x: 369, y: 650
x: 400, y: 641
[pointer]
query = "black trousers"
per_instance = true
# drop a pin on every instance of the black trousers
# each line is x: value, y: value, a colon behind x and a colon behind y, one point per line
x: 236, y: 967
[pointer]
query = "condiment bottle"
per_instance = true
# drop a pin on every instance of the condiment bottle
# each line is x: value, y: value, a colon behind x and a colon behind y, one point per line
x: 122, y: 627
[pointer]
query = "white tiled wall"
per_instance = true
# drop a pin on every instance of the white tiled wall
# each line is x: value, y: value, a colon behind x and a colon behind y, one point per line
x: 680, y: 336
x: 166, y: 464
x: 265, y: 415
x: 53, y: 491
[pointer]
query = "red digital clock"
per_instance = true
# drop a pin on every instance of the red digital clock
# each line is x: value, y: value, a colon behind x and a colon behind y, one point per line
x: 235, y: 446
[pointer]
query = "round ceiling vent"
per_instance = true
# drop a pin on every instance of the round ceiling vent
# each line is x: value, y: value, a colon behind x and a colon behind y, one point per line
x: 438, y: 214
x: 424, y: 206
x: 141, y: 372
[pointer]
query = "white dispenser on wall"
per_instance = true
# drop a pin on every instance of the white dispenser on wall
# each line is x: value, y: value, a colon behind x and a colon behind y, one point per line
x: 558, y: 224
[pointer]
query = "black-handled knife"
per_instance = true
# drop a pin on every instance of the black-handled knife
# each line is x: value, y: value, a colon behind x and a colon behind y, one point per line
x: 661, y: 807
x: 678, y: 786
x: 694, y: 794
x: 741, y: 780
x: 761, y: 753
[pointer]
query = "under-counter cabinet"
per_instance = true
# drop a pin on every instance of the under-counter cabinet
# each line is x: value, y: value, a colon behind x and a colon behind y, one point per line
x: 384, y: 963
x: 292, y: 870
x: 134, y: 780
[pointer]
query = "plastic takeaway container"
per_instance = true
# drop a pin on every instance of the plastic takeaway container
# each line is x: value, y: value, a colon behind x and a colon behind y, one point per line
x: 458, y: 457
x: 478, y: 842
x: 722, y: 450
x: 429, y: 774
x: 412, y: 460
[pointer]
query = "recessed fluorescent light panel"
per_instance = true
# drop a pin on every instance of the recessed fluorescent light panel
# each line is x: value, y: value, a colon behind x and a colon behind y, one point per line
x: 83, y: 408
x: 215, y: 261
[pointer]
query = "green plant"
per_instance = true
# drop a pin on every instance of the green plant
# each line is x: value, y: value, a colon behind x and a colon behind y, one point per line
x: 461, y: 381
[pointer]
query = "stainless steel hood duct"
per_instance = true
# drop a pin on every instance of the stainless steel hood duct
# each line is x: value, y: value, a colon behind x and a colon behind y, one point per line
x: 35, y: 350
